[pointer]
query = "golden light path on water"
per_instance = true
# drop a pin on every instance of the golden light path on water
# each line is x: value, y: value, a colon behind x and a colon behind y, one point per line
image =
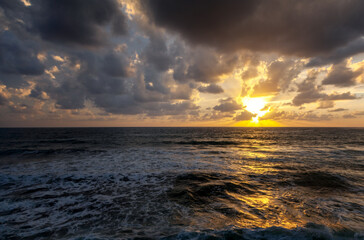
x: 250, y: 207
x: 261, y: 209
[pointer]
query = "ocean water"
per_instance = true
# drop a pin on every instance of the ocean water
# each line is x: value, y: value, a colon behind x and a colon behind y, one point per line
x: 182, y: 183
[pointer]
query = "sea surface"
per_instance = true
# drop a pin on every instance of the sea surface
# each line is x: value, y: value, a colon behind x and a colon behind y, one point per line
x: 182, y: 183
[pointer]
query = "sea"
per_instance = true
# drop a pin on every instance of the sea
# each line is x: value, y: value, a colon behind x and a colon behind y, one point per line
x: 182, y: 183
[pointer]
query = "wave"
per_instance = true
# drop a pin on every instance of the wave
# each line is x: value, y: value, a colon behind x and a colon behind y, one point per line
x: 220, y: 143
x: 29, y: 152
x: 202, y: 190
x: 69, y: 141
x: 321, y: 180
x: 310, y: 231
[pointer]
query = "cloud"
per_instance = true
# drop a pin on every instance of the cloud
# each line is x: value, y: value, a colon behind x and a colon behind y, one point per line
x: 157, y: 54
x: 326, y: 104
x: 97, y: 74
x: 309, y: 92
x: 244, y: 116
x: 3, y: 99
x: 116, y: 65
x: 251, y: 62
x: 112, y: 85
x: 280, y: 74
x: 251, y: 72
x: 18, y: 58
x: 198, y: 64
x: 228, y: 105
x: 360, y: 113
x: 276, y: 114
x: 279, y: 115
x: 341, y: 76
x: 66, y: 22
x: 340, y: 96
x: 348, y: 116
x: 203, y: 65
x: 310, y: 116
x: 338, y: 55
x: 38, y: 94
x: 179, y: 108
x: 211, y: 88
x: 338, y: 110
x: 76, y: 21
x: 288, y: 27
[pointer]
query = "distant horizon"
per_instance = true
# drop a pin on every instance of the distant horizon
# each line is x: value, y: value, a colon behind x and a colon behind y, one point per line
x: 180, y: 127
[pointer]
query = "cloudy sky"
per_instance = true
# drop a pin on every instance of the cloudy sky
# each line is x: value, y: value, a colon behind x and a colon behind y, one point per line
x: 181, y: 63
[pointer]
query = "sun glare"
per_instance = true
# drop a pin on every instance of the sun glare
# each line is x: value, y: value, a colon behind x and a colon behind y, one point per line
x: 255, y: 106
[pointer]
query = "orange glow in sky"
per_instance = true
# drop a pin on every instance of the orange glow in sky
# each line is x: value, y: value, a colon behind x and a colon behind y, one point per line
x: 255, y: 106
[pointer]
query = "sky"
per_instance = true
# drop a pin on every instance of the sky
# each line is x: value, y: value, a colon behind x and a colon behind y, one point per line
x: 249, y: 63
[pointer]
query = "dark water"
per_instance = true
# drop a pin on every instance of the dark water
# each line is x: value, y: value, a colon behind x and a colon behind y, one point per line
x: 182, y: 183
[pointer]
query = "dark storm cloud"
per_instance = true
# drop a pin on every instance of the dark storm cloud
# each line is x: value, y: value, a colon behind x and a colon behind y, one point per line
x: 71, y: 22
x: 154, y: 81
x: 14, y: 15
x: 118, y: 104
x: 157, y: 54
x: 69, y: 95
x: 304, y: 28
x: 228, y: 105
x: 17, y: 58
x: 108, y: 81
x: 342, y: 76
x: 309, y: 92
x: 211, y: 88
x: 198, y: 64
x: 99, y: 83
x: 337, y: 56
x: 77, y: 21
x: 99, y: 75
x: 115, y: 65
x: 13, y: 81
x: 204, y: 65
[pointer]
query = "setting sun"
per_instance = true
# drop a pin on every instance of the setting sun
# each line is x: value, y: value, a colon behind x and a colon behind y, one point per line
x: 256, y: 106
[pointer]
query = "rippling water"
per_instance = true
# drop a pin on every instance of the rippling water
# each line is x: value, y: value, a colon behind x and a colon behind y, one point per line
x: 182, y: 183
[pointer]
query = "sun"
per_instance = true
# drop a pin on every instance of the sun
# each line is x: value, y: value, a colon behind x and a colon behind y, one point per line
x: 255, y: 106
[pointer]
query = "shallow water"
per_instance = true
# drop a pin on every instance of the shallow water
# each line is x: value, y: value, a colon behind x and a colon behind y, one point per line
x: 182, y: 183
